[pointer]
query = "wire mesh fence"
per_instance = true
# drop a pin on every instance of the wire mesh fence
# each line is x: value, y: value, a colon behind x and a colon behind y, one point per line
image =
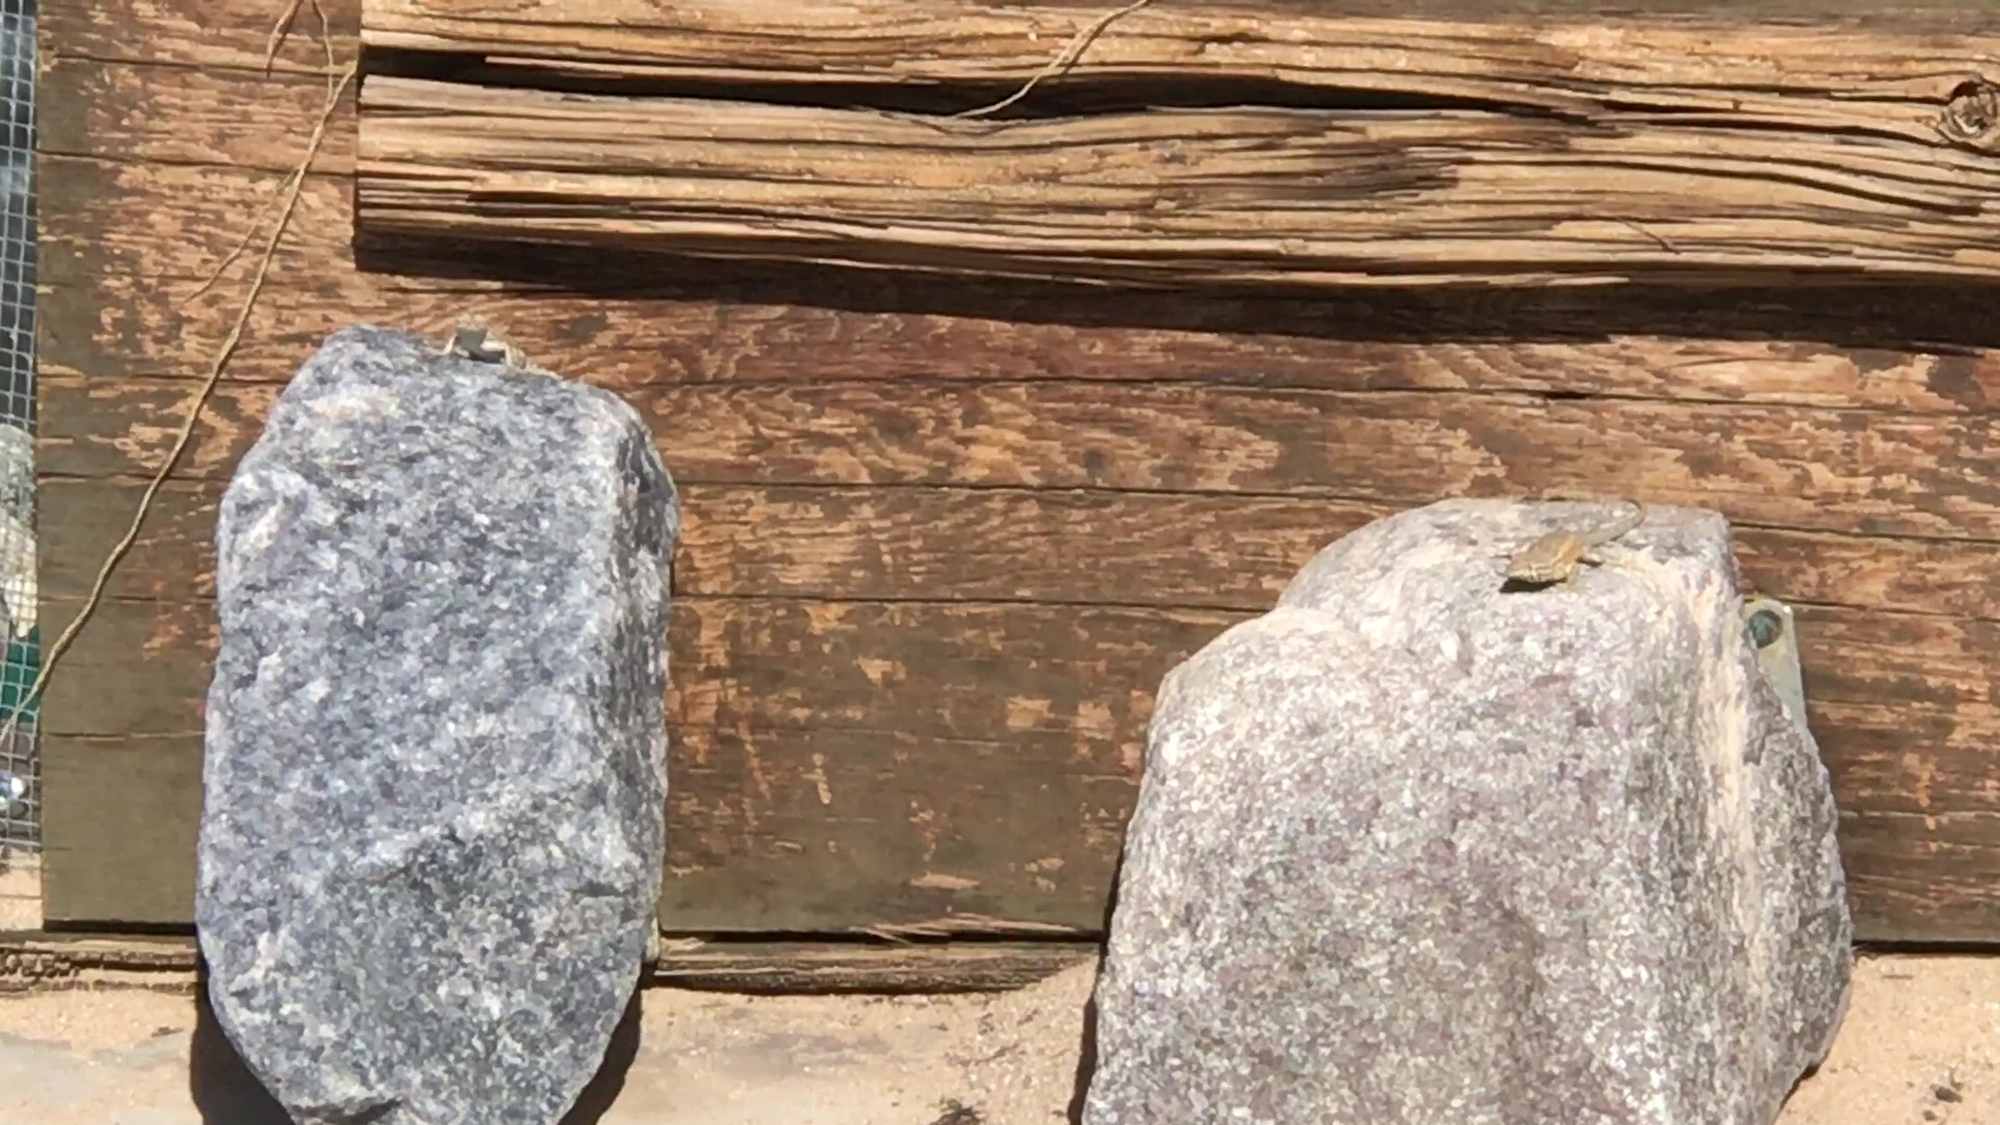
x: 20, y: 774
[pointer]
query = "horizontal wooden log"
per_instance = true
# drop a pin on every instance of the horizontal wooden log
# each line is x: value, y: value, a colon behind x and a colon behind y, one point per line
x: 120, y: 818
x: 809, y: 739
x: 231, y: 34
x: 811, y: 745
x: 813, y: 968
x: 41, y: 962
x: 1848, y: 472
x: 1197, y: 197
x: 1920, y: 879
x: 1754, y: 58
x: 781, y: 663
x: 955, y: 544
x: 982, y: 671
x: 134, y: 242
x: 56, y: 962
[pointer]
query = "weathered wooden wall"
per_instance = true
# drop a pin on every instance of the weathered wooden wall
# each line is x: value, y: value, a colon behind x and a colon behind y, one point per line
x: 943, y: 538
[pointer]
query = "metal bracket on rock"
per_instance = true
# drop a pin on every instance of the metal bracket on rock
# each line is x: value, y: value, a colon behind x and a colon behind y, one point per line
x: 1768, y: 625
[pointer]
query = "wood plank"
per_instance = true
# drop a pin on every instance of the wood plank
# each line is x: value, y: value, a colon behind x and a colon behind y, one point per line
x: 1928, y: 881
x: 969, y: 671
x: 1854, y: 653
x: 1677, y: 190
x: 78, y: 522
x: 808, y: 736
x: 159, y: 655
x: 809, y: 739
x: 55, y: 962
x: 816, y: 968
x: 136, y: 233
x: 186, y: 115
x: 1685, y: 55
x: 785, y: 711
x: 42, y: 962
x: 195, y: 33
x: 857, y: 665
x: 119, y: 823
x: 232, y: 34
x: 77, y: 244
x: 1847, y: 472
x: 821, y: 826
x: 132, y: 240
x: 1170, y: 549
x: 958, y: 544
x: 1895, y: 761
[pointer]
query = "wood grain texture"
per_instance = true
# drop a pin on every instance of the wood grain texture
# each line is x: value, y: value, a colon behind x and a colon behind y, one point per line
x: 824, y: 967
x: 946, y: 669
x: 836, y: 764
x: 1077, y: 546
x: 212, y: 34
x: 119, y: 823
x: 173, y: 140
x: 57, y: 962
x: 41, y: 962
x: 185, y: 115
x: 1700, y: 191
x: 1871, y: 473
x: 133, y: 242
x: 1735, y: 57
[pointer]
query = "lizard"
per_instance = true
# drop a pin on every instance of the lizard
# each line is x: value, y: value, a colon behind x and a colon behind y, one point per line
x: 1555, y: 556
x: 473, y: 342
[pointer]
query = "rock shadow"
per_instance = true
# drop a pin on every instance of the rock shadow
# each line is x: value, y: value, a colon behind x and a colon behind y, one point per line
x: 224, y: 1089
x: 1086, y: 1057
x: 603, y: 1088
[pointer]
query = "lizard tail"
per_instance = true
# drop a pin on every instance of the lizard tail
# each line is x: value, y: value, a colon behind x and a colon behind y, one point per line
x: 1637, y: 517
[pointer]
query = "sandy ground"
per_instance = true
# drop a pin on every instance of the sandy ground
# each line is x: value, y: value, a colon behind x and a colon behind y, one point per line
x: 1921, y: 1045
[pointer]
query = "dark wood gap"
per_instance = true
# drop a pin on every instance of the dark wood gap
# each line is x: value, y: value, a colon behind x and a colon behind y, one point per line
x: 855, y: 937
x: 1073, y: 95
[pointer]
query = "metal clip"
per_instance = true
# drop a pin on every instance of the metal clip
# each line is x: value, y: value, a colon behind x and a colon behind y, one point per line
x: 1767, y: 623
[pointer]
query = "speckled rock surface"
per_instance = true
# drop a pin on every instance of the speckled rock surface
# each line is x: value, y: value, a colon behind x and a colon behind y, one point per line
x: 435, y: 778
x: 1412, y: 849
x: 17, y: 536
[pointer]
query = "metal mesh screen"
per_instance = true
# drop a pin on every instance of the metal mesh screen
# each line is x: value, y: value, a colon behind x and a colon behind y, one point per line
x: 20, y: 795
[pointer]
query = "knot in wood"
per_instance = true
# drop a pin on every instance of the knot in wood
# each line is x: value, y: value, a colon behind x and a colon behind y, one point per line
x: 1972, y: 116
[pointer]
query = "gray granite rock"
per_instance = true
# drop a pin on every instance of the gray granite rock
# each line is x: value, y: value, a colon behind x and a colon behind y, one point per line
x: 17, y: 473
x: 1412, y: 849
x: 435, y: 778
x: 17, y: 537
